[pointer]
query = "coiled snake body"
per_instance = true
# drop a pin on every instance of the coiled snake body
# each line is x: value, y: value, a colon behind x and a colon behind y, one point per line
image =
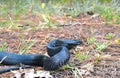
x: 57, y: 49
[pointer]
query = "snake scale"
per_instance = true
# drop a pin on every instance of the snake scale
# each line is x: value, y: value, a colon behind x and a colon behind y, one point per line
x: 57, y: 49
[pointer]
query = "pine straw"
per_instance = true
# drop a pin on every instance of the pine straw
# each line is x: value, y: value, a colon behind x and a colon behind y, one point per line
x: 81, y: 28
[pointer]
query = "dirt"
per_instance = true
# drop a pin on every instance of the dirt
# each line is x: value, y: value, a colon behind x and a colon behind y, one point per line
x: 82, y: 27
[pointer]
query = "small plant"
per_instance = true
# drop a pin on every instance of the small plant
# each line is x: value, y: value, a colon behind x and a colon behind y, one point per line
x: 109, y: 36
x: 3, y: 47
x: 47, y: 20
x: 98, y: 57
x: 25, y: 46
x: 82, y: 56
x: 117, y: 41
x: 116, y: 19
x: 91, y: 40
x: 98, y: 45
x: 101, y: 46
x: 106, y: 12
x: 76, y: 72
x: 70, y: 66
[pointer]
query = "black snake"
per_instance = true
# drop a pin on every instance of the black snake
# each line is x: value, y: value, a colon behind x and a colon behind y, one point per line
x: 58, y: 51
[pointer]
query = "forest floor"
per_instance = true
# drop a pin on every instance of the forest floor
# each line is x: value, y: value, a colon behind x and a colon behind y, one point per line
x: 103, y: 64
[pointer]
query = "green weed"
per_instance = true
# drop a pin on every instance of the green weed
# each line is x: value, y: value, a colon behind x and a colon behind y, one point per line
x: 116, y: 19
x: 91, y: 40
x: 25, y: 46
x: 101, y: 46
x: 74, y: 69
x: 47, y: 20
x: 117, y: 41
x: 70, y: 66
x: 82, y: 56
x: 109, y: 36
x: 3, y: 47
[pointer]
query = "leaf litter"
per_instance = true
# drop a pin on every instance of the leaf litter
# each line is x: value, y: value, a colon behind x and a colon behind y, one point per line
x: 81, y: 27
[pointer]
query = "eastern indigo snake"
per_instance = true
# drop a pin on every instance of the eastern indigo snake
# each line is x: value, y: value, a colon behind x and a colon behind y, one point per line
x: 58, y: 51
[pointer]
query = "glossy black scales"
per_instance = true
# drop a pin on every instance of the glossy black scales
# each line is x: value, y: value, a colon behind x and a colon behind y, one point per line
x: 58, y: 51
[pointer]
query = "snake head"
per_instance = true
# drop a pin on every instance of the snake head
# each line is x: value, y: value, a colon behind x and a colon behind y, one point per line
x: 72, y: 42
x: 55, y: 46
x: 68, y: 43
